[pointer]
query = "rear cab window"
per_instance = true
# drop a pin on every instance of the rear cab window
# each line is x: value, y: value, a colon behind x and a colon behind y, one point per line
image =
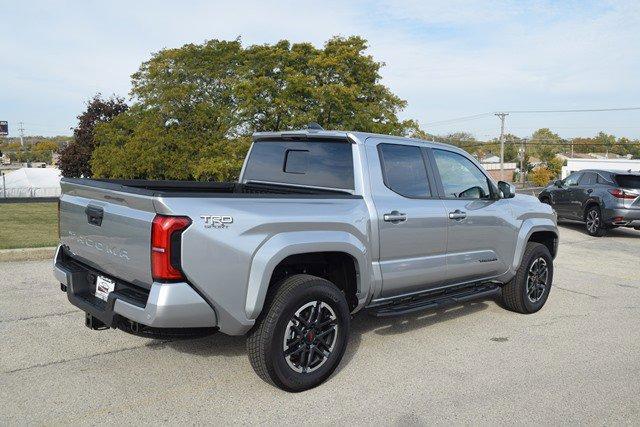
x: 320, y: 163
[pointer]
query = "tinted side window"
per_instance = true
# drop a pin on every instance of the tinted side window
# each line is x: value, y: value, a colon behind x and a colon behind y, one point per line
x: 589, y: 178
x: 572, y: 179
x: 315, y: 163
x: 460, y: 177
x: 404, y: 170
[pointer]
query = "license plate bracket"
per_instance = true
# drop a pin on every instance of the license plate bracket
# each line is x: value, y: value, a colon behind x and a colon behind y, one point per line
x: 104, y: 286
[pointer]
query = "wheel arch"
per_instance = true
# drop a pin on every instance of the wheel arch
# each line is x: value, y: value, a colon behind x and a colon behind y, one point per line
x: 311, y: 250
x: 588, y: 204
x: 535, y: 230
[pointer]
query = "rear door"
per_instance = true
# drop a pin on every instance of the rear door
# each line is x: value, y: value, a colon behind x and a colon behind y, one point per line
x: 107, y: 229
x: 582, y: 193
x: 481, y: 237
x: 411, y: 218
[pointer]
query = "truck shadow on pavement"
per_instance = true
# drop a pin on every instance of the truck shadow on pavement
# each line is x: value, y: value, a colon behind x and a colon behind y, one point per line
x: 363, y: 323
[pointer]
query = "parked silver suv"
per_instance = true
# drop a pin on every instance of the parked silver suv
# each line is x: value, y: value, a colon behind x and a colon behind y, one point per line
x: 321, y: 225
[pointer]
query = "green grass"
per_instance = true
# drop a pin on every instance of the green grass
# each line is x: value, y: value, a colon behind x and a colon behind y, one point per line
x: 28, y: 225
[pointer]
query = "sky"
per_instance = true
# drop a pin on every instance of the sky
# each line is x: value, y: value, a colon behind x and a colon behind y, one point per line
x: 446, y: 59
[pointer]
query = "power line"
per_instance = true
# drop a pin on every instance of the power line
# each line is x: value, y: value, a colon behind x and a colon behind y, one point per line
x: 580, y: 110
x: 457, y: 119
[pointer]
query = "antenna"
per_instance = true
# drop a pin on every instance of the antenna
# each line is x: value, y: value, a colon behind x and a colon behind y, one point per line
x: 314, y: 126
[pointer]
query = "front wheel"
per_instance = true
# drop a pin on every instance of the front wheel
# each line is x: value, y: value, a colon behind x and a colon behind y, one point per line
x: 528, y: 291
x: 301, y: 336
x: 594, y: 224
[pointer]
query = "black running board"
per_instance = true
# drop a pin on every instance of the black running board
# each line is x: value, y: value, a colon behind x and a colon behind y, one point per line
x: 439, y: 300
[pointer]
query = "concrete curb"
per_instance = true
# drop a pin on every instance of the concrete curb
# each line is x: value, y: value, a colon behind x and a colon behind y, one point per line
x: 27, y: 254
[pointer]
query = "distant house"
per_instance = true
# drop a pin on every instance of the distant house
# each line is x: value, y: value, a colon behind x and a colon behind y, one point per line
x: 494, y: 170
x: 491, y: 158
x: 5, y: 160
x: 565, y: 156
x: 535, y: 162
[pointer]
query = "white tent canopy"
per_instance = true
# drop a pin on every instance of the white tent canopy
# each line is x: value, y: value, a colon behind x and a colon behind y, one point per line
x: 31, y: 182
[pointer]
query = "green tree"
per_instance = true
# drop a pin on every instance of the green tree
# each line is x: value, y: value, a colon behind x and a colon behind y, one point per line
x: 75, y: 157
x: 555, y: 166
x: 196, y: 106
x: 544, y: 144
x: 541, y: 176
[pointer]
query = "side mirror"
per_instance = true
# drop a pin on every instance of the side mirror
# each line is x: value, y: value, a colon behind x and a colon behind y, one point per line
x: 558, y: 183
x: 508, y: 190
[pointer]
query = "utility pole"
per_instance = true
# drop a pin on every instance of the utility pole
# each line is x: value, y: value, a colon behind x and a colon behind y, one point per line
x: 502, y: 117
x: 521, y: 154
x: 21, y: 129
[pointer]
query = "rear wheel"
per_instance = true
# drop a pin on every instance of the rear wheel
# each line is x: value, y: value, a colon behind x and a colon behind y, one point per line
x: 594, y: 223
x: 528, y: 291
x: 302, y: 334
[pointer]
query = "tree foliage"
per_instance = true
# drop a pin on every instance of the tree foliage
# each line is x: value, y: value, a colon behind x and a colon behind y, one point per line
x: 541, y: 176
x: 75, y: 157
x: 196, y: 106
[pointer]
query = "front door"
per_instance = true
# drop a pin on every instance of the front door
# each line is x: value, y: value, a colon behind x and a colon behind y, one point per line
x: 481, y: 235
x: 411, y: 219
x: 562, y: 196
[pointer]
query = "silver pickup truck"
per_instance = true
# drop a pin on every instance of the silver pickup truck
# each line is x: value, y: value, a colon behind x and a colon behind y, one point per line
x: 321, y: 225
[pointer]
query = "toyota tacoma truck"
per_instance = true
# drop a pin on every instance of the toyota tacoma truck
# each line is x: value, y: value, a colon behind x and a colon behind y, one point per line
x: 320, y: 225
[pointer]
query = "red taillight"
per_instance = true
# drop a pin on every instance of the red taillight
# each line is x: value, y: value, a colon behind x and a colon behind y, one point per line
x: 165, y: 246
x: 621, y: 194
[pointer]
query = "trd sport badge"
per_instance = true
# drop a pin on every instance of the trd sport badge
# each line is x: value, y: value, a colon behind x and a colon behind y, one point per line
x: 217, y: 221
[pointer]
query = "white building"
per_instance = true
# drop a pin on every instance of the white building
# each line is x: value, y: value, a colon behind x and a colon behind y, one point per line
x: 622, y: 164
x: 31, y: 182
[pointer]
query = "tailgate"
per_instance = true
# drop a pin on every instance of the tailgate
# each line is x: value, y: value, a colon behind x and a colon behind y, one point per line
x: 108, y: 227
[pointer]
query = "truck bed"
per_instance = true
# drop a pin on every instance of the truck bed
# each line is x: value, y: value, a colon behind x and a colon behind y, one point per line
x: 204, y: 188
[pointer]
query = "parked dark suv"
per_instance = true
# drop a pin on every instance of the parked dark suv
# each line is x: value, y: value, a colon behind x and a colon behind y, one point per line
x: 601, y: 199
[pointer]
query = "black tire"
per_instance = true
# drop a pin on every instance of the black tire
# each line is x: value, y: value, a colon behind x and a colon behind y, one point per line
x: 594, y: 222
x: 266, y: 341
x: 516, y: 294
x: 545, y: 200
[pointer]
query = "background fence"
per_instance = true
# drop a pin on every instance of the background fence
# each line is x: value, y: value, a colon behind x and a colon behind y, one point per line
x: 29, y: 192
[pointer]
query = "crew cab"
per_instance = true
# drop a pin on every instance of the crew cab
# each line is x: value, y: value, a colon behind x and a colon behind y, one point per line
x: 320, y: 225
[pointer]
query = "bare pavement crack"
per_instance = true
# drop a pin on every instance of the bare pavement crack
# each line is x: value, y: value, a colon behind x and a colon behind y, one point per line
x: 576, y: 292
x: 40, y: 316
x: 74, y: 359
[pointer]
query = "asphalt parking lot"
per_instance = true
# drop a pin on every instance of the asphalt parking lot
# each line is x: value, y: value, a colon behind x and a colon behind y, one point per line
x: 578, y: 360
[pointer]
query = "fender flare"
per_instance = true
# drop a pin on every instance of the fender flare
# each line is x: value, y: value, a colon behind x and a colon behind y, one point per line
x: 530, y: 226
x: 282, y: 245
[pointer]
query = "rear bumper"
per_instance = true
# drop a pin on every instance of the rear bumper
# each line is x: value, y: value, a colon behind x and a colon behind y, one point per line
x: 623, y: 217
x: 165, y: 305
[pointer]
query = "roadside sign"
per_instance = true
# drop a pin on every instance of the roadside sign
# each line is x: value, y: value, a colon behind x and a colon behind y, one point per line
x: 4, y: 128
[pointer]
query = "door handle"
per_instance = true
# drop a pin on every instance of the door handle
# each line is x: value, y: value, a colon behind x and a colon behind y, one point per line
x: 457, y: 215
x: 394, y: 217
